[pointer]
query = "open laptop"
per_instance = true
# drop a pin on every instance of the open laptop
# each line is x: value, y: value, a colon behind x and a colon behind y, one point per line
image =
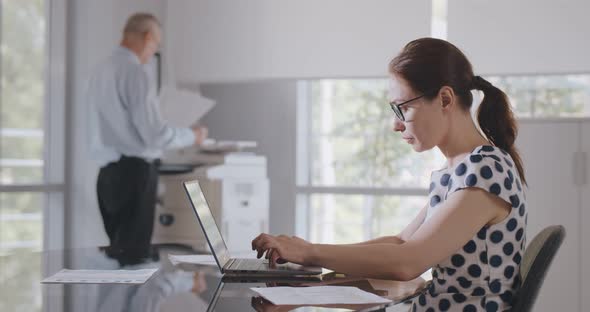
x: 219, y: 248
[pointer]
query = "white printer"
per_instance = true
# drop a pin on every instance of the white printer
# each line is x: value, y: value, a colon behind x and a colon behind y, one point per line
x: 235, y: 184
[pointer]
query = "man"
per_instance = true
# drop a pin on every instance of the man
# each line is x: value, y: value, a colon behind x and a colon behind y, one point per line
x: 128, y: 137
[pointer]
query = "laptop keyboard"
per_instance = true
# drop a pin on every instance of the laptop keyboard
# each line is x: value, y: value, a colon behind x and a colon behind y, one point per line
x: 249, y: 264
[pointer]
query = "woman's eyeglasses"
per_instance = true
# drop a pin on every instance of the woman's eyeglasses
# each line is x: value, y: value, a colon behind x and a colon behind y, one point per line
x: 396, y: 107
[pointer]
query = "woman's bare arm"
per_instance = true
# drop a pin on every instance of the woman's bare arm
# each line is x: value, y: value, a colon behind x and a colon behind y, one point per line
x: 404, y: 235
x: 457, y: 220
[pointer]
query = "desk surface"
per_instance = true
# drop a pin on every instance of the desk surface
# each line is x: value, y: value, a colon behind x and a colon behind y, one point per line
x: 172, y: 288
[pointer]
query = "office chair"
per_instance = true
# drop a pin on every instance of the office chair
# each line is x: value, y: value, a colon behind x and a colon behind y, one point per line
x: 536, y: 261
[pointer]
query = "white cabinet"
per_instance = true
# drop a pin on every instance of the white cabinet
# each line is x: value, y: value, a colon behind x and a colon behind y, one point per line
x: 551, y: 151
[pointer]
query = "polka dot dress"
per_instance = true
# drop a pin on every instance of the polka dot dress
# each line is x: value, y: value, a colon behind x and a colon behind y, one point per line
x: 483, y: 275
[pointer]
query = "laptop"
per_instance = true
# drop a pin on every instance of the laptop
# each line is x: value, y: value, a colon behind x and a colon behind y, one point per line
x: 226, y: 264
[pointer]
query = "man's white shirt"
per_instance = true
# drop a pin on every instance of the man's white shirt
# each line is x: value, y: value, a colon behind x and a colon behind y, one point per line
x: 124, y: 112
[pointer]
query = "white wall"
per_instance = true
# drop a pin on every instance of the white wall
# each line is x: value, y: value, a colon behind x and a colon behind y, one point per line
x: 522, y: 37
x: 94, y: 29
x: 228, y: 40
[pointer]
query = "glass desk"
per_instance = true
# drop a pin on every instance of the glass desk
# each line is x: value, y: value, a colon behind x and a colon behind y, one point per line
x: 184, y: 287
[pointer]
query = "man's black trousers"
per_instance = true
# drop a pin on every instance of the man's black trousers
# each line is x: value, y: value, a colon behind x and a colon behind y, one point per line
x: 126, y: 192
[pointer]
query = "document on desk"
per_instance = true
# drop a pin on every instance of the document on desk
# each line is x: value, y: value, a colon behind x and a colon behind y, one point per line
x: 133, y: 277
x: 317, y: 295
x: 192, y: 259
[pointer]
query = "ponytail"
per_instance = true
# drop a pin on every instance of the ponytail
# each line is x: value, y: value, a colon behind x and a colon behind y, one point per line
x: 497, y: 121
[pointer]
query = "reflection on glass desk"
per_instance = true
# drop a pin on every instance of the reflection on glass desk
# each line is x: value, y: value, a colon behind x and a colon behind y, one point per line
x: 172, y: 288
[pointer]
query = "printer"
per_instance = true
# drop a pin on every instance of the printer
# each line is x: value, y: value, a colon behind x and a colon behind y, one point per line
x: 235, y: 184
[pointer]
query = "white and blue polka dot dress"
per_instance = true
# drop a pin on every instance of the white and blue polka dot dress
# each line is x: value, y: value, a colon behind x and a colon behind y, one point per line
x: 483, y: 275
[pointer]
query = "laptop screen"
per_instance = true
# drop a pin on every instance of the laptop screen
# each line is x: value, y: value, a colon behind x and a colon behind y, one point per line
x: 203, y: 212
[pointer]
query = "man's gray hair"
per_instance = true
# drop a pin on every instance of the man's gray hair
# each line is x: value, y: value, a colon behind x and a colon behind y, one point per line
x: 140, y: 23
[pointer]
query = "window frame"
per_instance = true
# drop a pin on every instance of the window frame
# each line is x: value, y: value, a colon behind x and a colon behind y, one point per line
x: 53, y: 129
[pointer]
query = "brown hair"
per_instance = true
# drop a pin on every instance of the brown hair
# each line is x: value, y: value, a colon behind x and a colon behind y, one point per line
x: 428, y: 64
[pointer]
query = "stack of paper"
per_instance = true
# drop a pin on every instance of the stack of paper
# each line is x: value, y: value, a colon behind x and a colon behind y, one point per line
x: 66, y: 276
x: 213, y: 146
x: 318, y: 295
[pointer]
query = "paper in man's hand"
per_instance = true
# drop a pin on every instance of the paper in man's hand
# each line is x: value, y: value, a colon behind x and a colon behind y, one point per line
x: 182, y: 108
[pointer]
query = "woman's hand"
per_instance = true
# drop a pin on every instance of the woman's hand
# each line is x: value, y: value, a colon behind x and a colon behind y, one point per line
x: 282, y: 248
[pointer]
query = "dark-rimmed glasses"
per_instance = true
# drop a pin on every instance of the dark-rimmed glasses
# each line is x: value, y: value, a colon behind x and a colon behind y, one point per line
x: 396, y: 107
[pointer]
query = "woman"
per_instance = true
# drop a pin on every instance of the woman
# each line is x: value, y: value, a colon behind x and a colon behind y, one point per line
x: 471, y: 231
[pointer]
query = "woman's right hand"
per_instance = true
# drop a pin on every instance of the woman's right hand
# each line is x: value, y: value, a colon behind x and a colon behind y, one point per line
x: 282, y: 248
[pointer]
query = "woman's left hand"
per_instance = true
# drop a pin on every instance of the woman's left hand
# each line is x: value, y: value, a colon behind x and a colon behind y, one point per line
x: 282, y: 248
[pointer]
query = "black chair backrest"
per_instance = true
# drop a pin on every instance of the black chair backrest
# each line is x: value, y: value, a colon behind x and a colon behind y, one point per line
x: 536, y: 261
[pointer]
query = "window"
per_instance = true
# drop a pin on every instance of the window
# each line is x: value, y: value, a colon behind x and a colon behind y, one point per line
x: 543, y: 96
x: 438, y: 27
x: 344, y: 218
x: 31, y: 149
x: 356, y: 179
